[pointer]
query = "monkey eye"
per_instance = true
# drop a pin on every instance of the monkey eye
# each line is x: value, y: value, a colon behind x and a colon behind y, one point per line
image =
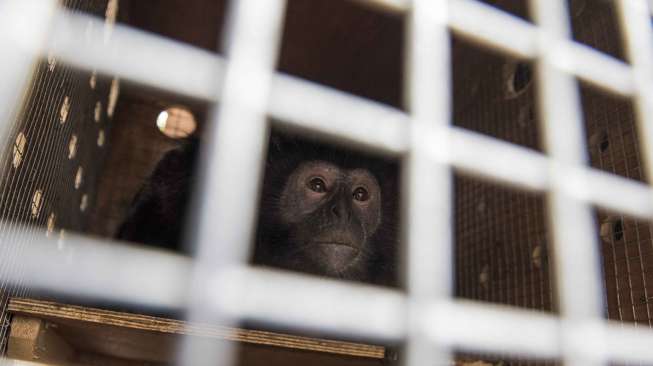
x: 361, y: 194
x: 317, y: 185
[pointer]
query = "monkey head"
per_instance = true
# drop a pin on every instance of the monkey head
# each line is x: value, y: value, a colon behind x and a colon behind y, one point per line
x: 329, y: 213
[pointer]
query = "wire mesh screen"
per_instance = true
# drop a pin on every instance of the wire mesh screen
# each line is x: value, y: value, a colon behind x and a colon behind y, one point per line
x: 502, y: 249
x: 501, y: 233
x: 525, y: 151
x: 55, y: 150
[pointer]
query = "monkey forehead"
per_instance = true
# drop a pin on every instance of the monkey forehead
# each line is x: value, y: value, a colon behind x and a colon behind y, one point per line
x: 363, y: 175
x: 332, y: 171
x: 318, y: 167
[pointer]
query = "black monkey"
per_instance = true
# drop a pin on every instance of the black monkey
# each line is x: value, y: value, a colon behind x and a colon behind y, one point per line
x: 156, y: 214
x: 323, y: 211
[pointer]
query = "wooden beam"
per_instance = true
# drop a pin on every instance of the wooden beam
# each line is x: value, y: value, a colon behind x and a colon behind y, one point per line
x: 55, y: 311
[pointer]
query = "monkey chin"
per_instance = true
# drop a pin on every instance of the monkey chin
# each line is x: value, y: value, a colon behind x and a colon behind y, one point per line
x: 334, y: 258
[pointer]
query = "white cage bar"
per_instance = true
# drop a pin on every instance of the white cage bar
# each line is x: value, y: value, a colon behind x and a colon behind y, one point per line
x: 427, y: 317
x: 575, y: 253
x: 427, y: 212
x: 238, y: 139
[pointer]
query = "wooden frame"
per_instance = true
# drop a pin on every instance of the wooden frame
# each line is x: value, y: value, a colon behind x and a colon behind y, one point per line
x: 62, y: 334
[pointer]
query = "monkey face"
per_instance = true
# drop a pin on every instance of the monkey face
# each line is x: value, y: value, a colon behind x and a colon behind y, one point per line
x: 330, y: 214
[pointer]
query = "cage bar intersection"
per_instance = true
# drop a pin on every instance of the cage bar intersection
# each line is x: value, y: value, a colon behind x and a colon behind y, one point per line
x: 246, y: 91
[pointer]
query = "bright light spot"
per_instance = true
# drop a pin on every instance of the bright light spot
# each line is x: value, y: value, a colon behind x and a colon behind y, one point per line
x: 161, y: 120
x: 176, y: 122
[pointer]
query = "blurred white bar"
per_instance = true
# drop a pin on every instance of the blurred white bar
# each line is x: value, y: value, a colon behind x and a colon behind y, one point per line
x: 613, y: 192
x: 492, y: 27
x: 136, y: 55
x: 23, y: 27
x: 308, y: 106
x: 99, y: 269
x: 294, y: 300
x: 628, y: 344
x: 597, y: 68
x: 575, y: 251
x: 528, y: 169
x: 427, y: 226
x: 635, y: 21
x: 485, y: 327
x: 232, y: 161
x: 494, y: 159
x: 427, y: 221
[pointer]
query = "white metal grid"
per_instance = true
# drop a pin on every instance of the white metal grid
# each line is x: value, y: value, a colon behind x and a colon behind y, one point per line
x: 427, y: 317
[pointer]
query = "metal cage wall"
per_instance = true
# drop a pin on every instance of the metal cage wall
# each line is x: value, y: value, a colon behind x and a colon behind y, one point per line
x: 426, y: 317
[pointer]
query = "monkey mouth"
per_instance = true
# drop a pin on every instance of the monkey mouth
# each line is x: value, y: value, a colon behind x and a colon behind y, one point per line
x: 336, y: 255
x: 346, y: 244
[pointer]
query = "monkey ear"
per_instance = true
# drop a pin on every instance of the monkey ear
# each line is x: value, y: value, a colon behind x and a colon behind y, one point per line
x: 276, y: 143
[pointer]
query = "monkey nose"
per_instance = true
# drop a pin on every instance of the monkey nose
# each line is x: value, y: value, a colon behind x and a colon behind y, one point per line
x: 335, y: 210
x: 337, y: 255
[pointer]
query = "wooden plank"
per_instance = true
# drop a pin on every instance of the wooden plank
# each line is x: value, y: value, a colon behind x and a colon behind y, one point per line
x: 53, y: 311
x: 33, y: 339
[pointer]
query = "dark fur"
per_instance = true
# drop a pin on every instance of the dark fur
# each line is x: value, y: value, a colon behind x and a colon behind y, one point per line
x: 155, y: 215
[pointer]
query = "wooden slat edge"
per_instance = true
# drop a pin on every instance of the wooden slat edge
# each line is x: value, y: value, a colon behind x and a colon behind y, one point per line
x: 163, y: 325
